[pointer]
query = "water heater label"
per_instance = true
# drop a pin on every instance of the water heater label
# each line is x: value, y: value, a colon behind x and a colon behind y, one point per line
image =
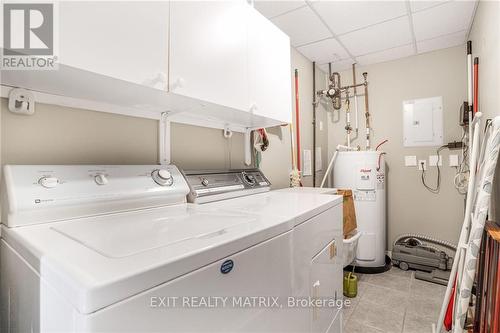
x: 365, y: 195
x: 380, y: 181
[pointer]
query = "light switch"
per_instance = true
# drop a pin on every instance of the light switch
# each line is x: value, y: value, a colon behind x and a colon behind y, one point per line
x: 433, y: 160
x: 454, y: 161
x: 411, y: 161
x: 306, y: 163
x: 422, y: 163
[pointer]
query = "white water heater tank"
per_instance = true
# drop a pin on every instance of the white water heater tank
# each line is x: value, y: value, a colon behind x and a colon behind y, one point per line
x: 364, y: 173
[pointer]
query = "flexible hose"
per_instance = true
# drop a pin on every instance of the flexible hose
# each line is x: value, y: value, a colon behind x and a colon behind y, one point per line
x: 380, y: 144
x: 429, y: 239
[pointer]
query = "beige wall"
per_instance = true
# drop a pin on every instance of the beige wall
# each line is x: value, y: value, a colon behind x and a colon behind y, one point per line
x: 60, y: 135
x: 411, y: 208
x: 485, y: 37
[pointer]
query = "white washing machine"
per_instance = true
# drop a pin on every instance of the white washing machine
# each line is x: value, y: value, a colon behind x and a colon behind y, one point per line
x: 118, y: 249
x: 316, y: 239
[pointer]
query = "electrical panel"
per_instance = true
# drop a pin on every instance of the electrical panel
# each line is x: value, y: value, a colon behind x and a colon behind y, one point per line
x: 423, y: 122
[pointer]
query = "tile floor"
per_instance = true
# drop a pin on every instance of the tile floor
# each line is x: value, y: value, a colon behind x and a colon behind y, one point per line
x: 393, y: 301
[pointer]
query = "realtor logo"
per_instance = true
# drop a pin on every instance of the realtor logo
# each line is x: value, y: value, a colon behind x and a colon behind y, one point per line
x: 28, y: 36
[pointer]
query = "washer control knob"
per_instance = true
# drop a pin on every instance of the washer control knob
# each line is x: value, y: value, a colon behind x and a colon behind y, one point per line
x: 204, y: 182
x: 48, y: 182
x: 164, y: 174
x: 248, y: 179
x: 162, y: 177
x: 101, y: 179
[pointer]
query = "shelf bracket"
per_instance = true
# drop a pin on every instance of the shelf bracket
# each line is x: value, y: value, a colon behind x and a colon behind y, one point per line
x: 164, y: 139
x: 247, y: 147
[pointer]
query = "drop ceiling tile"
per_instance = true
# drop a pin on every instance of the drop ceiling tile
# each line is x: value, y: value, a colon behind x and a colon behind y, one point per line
x: 302, y: 25
x: 386, y: 55
x: 273, y: 8
x: 324, y: 51
x: 448, y: 18
x: 324, y: 67
x: 442, y: 42
x: 417, y: 5
x: 378, y: 37
x: 345, y: 16
x: 337, y: 66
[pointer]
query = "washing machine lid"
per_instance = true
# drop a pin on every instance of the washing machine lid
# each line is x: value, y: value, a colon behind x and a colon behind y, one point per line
x: 292, y: 205
x: 304, y: 189
x: 95, y: 262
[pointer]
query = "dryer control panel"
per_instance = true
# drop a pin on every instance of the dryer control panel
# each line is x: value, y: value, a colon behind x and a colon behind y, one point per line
x: 43, y: 193
x: 214, y: 185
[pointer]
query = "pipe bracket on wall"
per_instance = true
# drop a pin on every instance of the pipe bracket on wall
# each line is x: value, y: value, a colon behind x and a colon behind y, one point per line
x: 21, y: 101
x: 164, y: 139
x: 227, y: 132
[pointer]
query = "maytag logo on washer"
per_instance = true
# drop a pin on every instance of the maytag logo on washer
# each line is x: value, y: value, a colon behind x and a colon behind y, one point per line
x: 29, y: 36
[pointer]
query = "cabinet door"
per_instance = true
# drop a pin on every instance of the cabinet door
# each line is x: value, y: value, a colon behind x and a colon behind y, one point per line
x: 326, y: 285
x: 269, y: 67
x: 208, y: 51
x: 124, y: 40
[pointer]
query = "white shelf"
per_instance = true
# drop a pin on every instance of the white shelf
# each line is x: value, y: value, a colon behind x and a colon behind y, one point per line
x: 78, y: 88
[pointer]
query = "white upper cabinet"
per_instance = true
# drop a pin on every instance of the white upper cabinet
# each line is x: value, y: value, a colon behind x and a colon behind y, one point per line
x: 208, y: 51
x: 120, y: 39
x: 269, y: 69
x: 213, y: 63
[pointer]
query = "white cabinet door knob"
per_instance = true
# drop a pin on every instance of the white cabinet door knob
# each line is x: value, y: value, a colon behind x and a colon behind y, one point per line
x: 158, y: 82
x: 179, y: 83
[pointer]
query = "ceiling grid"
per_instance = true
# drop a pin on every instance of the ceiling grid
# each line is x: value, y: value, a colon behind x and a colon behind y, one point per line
x: 366, y: 32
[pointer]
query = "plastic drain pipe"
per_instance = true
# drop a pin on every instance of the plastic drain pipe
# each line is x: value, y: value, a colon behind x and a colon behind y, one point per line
x: 332, y: 160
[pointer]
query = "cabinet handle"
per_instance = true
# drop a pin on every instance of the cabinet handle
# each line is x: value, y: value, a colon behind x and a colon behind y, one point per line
x: 333, y: 250
x: 315, y: 297
x: 179, y: 83
x: 158, y: 82
x: 253, y: 108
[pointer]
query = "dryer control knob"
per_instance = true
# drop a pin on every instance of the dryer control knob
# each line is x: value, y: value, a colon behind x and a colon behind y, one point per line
x: 48, y: 182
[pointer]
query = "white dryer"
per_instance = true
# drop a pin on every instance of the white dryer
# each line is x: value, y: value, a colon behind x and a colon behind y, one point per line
x: 316, y: 239
x: 103, y: 248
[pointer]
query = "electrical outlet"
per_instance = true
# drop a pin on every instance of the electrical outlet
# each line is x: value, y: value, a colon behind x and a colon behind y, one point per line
x: 433, y: 160
x: 411, y: 161
x: 422, y: 164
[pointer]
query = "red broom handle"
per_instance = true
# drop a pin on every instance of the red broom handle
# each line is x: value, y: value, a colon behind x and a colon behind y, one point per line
x: 297, y: 118
x: 476, y: 84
